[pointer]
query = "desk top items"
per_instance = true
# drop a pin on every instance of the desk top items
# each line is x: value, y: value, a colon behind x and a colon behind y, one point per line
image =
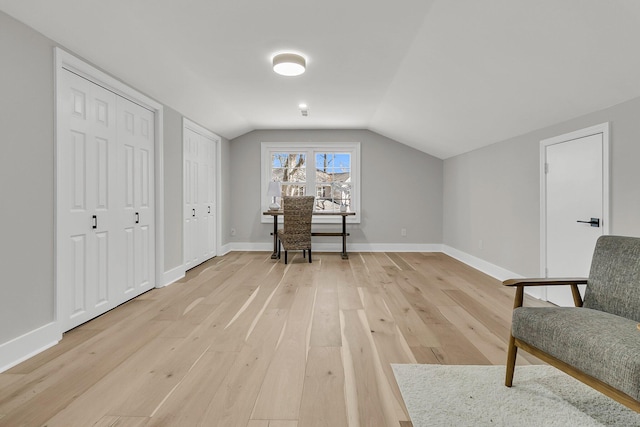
x: 274, y: 191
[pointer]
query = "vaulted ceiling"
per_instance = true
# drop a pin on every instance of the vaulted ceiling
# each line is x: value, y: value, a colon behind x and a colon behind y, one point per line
x: 443, y: 76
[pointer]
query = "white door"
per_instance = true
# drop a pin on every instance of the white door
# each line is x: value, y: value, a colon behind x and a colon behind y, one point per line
x: 105, y: 244
x: 136, y: 193
x: 200, y: 221
x: 86, y: 200
x: 192, y: 196
x: 576, y: 204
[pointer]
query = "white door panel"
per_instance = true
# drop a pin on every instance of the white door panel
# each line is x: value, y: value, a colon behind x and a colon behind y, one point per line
x: 575, y: 191
x: 199, y: 198
x: 135, y: 135
x: 87, y: 153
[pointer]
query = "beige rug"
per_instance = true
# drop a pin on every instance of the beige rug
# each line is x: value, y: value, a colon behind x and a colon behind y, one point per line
x: 439, y: 395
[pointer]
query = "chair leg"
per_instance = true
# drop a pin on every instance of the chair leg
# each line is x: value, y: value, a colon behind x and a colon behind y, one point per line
x: 511, y: 361
x: 304, y: 253
x: 279, y: 247
x: 285, y: 256
x: 309, y: 256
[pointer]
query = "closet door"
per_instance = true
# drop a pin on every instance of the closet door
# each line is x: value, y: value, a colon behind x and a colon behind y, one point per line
x: 199, y: 198
x: 105, y: 237
x: 86, y: 201
x: 192, y: 199
x: 136, y: 192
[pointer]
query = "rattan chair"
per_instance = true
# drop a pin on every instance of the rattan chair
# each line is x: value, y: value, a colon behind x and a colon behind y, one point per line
x: 296, y: 234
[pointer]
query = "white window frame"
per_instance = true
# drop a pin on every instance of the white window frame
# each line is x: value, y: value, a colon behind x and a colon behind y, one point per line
x: 311, y: 148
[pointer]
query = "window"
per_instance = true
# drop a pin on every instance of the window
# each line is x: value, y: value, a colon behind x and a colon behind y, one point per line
x: 328, y: 171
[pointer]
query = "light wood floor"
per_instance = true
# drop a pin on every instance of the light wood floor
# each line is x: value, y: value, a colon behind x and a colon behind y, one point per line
x: 244, y: 340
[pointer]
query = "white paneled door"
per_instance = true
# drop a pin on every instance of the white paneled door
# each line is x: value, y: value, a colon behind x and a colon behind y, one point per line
x: 105, y: 244
x: 136, y: 142
x: 199, y: 196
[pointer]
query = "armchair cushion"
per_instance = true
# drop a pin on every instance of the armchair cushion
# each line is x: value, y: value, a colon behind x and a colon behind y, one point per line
x: 599, y: 344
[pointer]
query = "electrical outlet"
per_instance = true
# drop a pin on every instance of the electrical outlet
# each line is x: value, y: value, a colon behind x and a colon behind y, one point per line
x: 403, y: 232
x: 233, y: 231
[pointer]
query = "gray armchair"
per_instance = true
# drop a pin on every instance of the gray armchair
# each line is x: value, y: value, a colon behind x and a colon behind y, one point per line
x: 598, y: 341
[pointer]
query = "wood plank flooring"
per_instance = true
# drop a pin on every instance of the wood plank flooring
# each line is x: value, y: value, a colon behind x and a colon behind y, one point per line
x: 246, y: 341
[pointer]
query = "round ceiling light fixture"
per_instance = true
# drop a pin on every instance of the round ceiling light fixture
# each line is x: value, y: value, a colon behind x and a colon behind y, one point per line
x: 289, y: 64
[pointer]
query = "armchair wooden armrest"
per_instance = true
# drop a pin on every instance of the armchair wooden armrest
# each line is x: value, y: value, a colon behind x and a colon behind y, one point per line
x: 547, y: 281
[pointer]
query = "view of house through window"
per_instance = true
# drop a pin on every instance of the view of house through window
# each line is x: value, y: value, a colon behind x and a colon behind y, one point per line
x: 330, y: 177
x: 333, y: 181
x: 328, y: 173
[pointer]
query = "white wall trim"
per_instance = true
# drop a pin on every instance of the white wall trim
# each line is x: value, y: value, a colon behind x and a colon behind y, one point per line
x: 171, y: 276
x: 486, y: 267
x: 337, y: 247
x: 225, y: 249
x: 28, y: 345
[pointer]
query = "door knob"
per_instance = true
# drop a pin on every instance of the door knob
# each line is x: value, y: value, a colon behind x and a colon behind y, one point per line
x: 594, y: 222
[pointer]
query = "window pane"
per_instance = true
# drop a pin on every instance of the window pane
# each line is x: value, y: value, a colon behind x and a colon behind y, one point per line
x: 324, y: 161
x: 289, y: 167
x: 326, y: 205
x: 293, y: 190
x: 333, y: 180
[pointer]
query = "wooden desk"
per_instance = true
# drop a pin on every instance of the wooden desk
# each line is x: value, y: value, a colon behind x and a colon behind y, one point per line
x: 344, y: 234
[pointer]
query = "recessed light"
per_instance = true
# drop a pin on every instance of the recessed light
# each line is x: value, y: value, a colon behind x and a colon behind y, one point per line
x: 303, y: 106
x: 289, y: 64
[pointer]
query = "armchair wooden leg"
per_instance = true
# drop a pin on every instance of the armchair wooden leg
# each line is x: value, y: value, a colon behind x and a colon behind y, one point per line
x: 304, y: 253
x: 279, y: 247
x: 285, y: 256
x: 309, y: 255
x: 511, y: 361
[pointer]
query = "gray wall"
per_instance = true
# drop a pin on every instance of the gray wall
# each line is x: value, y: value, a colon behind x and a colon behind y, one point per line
x: 225, y: 197
x: 400, y: 187
x: 26, y: 179
x: 493, y: 194
x: 173, y: 201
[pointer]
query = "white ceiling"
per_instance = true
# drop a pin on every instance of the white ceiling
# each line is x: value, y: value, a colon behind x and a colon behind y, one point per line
x: 443, y: 76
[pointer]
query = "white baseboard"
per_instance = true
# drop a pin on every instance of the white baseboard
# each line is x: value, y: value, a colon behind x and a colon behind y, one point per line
x: 393, y: 247
x: 480, y: 264
x: 351, y: 247
x: 491, y: 269
x: 28, y: 345
x: 225, y: 249
x: 171, y: 276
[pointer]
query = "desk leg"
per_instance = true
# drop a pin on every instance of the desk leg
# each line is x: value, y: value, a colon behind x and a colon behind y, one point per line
x: 344, y: 237
x: 274, y: 255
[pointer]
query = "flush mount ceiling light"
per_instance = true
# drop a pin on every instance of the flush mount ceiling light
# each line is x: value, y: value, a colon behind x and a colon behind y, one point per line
x: 289, y: 64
